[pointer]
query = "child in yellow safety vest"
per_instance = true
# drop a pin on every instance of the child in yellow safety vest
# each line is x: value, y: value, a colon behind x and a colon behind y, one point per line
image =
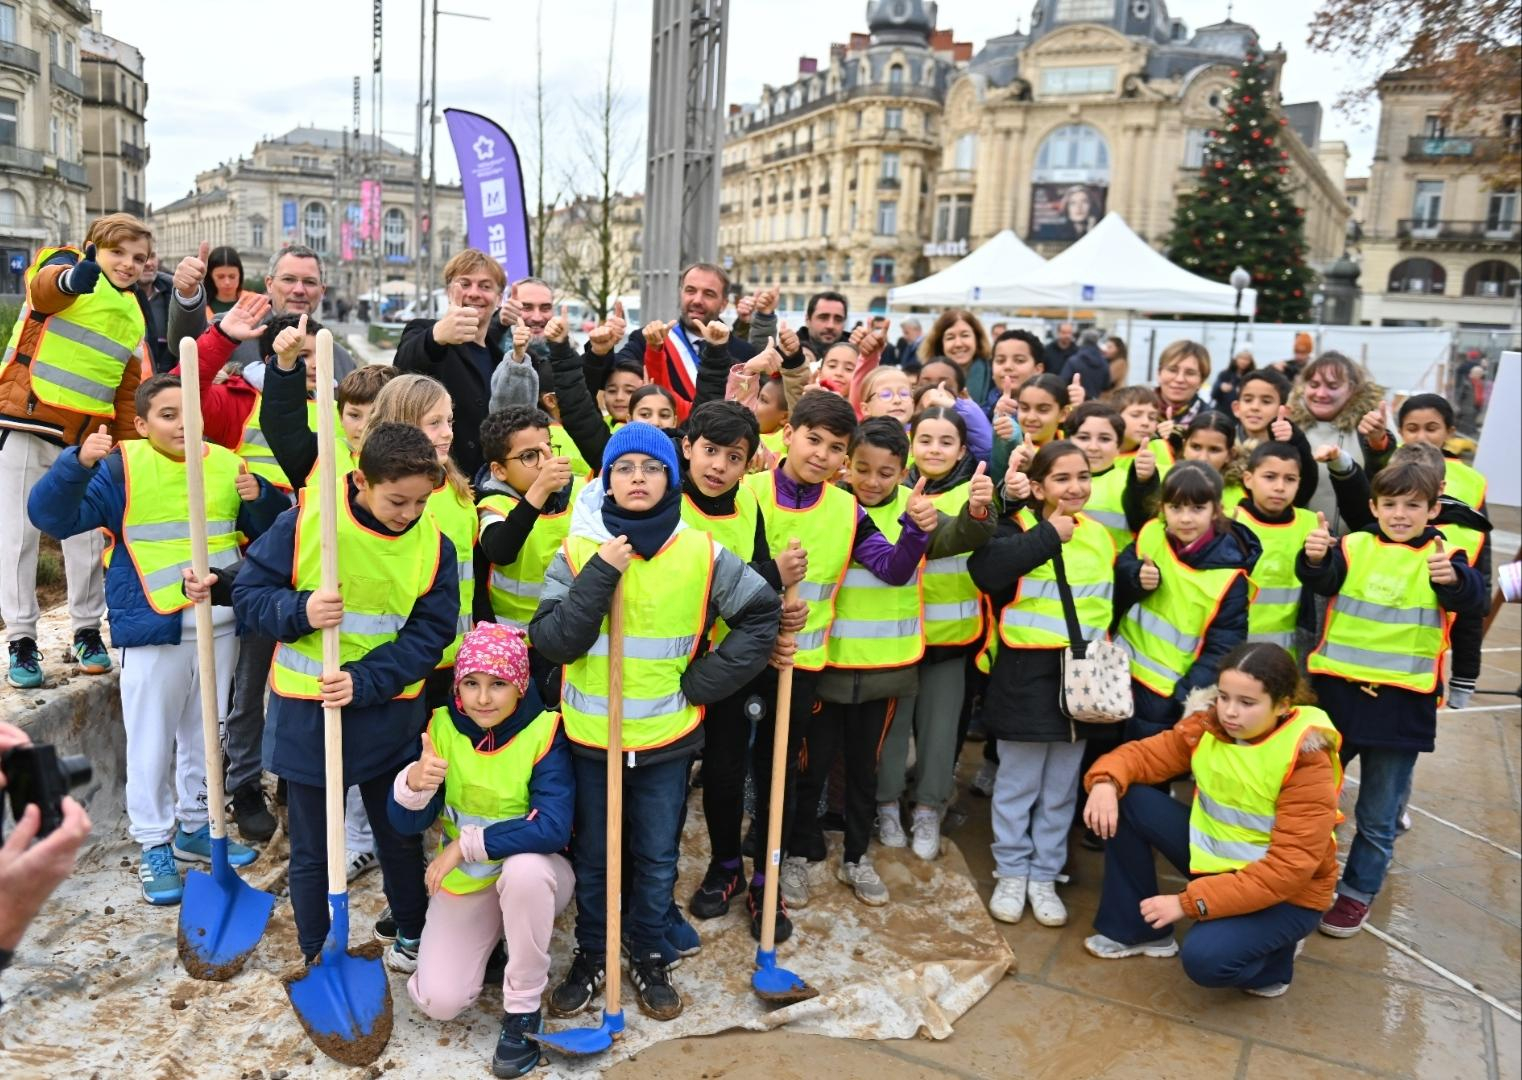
x: 495, y: 774
x: 1040, y: 750
x: 138, y: 491
x: 1098, y: 430
x: 876, y: 643
x: 1182, y: 593
x: 1272, y: 480
x: 627, y: 534
x: 396, y: 613
x: 1211, y: 437
x: 1395, y: 587
x: 1257, y: 843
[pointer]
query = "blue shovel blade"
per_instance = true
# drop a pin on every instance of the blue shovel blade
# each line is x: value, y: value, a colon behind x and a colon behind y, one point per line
x: 222, y: 918
x: 772, y: 982
x: 585, y: 1040
x: 341, y: 996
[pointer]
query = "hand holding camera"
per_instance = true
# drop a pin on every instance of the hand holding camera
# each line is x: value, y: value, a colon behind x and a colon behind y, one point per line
x: 38, y: 782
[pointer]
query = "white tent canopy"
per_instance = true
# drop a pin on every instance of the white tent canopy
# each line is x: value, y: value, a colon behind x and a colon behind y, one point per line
x: 972, y: 280
x: 1114, y: 269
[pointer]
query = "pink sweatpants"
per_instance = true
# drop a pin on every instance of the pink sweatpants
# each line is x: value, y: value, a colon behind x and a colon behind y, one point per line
x: 461, y: 932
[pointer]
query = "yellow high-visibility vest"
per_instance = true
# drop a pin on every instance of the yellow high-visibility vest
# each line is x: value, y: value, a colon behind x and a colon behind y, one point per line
x: 1106, y: 502
x: 1464, y: 483
x: 1033, y: 619
x: 456, y: 518
x: 736, y: 531
x: 878, y: 625
x: 1275, y: 607
x: 515, y: 588
x: 953, y: 604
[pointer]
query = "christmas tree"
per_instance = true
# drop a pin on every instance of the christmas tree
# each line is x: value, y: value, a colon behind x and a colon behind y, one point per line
x: 1241, y: 213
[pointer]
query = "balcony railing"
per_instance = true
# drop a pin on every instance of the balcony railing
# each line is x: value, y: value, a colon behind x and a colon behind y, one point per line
x: 74, y: 173
x: 23, y: 221
x: 133, y: 207
x: 19, y: 157
x: 805, y: 191
x: 1459, y: 147
x: 888, y: 183
x: 134, y: 154
x: 66, y: 80
x: 20, y: 57
x: 784, y: 152
x: 956, y: 177
x: 1493, y: 230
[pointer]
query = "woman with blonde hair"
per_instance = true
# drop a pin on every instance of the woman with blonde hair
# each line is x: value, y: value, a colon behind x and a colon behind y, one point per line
x: 959, y: 336
x: 1182, y: 369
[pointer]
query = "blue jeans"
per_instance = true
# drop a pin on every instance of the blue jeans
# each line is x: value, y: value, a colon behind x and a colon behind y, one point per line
x: 1248, y: 951
x: 1384, y: 785
x: 654, y: 796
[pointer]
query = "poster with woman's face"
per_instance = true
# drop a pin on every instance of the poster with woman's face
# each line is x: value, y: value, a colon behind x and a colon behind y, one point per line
x: 1065, y: 211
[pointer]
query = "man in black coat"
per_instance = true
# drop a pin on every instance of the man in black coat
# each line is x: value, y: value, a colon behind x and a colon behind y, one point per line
x: 1089, y: 364
x: 153, y: 290
x: 1061, y: 347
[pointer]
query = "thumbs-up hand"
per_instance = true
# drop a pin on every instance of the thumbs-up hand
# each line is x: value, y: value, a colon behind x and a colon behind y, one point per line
x: 1281, y: 429
x: 1440, y: 565
x: 1023, y: 454
x: 1374, y: 427
x: 766, y: 300
x: 767, y: 361
x: 1327, y: 453
x: 1017, y: 486
x: 521, y: 337
x: 248, y: 486
x: 606, y: 335
x: 510, y: 312
x: 554, y: 475
x: 744, y: 306
x: 655, y: 333
x: 1006, y: 405
x: 792, y: 564
x: 80, y: 279
x: 1077, y: 395
x: 290, y: 341
x: 1150, y: 577
x: 716, y: 333
x: 1165, y: 428
x: 1066, y: 526
x: 921, y: 509
x: 1004, y: 426
x: 558, y: 329
x: 1318, y: 541
x: 95, y: 447
x: 787, y: 339
x: 191, y: 271
x: 427, y: 772
x: 1145, y: 465
x: 457, y: 326
x: 980, y: 492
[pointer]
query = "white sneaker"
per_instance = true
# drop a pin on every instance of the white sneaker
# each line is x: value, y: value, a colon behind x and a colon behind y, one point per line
x: 1008, y: 902
x: 1403, y: 827
x: 862, y: 878
x: 983, y: 782
x: 890, y: 826
x: 926, y: 831
x: 1110, y: 949
x: 793, y: 884
x: 1272, y: 990
x: 361, y: 863
x: 1045, y: 905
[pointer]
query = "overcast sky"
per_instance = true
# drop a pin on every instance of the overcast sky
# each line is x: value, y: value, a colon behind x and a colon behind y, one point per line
x: 213, y: 93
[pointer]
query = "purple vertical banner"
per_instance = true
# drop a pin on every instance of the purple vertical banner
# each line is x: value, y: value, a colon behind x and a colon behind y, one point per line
x: 496, y: 212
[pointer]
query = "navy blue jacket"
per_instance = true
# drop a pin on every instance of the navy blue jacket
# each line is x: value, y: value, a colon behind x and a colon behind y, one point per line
x: 380, y: 731
x: 546, y: 828
x: 1392, y: 718
x: 1238, y: 549
x: 71, y: 499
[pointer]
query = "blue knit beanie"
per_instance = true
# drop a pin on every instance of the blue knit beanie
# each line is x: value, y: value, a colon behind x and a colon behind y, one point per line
x: 640, y: 438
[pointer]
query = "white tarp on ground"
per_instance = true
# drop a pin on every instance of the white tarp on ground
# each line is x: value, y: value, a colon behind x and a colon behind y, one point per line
x: 1113, y: 269
x: 970, y: 281
x: 97, y: 990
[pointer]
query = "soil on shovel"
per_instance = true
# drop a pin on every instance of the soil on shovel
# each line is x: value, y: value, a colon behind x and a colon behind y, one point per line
x: 197, y: 968
x: 363, y: 1050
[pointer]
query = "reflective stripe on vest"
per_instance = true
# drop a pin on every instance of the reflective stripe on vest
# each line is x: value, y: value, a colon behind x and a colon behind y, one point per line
x: 827, y: 531
x: 1275, y: 607
x: 83, y: 351
x: 1166, y: 630
x: 383, y: 576
x: 1033, y: 618
x: 484, y: 788
x: 953, y: 604
x: 737, y: 532
x: 1385, y: 626
x: 515, y: 589
x: 665, y: 606
x: 878, y: 625
x: 155, y: 525
x: 456, y: 518
x: 1106, y: 503
x: 1237, y: 789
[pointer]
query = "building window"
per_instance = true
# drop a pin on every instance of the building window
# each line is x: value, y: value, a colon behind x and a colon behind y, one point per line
x: 802, y: 271
x: 1501, y: 211
x: 316, y: 227
x: 1085, y: 10
x: 1434, y: 127
x: 893, y: 119
x: 953, y: 218
x: 1097, y: 79
x: 1427, y: 208
x: 887, y: 218
x: 256, y: 233
x: 7, y: 121
x: 1492, y: 279
x: 882, y: 271
x: 8, y: 22
x: 967, y: 152
x: 1418, y: 276
x: 53, y: 46
x: 1196, y: 143
x: 1511, y: 126
x: 1074, y: 153
x: 68, y: 141
x: 395, y: 233
x: 68, y: 58
x: 821, y: 270
x: 846, y: 271
x: 824, y: 221
x: 896, y: 77
x: 53, y: 135
x: 890, y: 165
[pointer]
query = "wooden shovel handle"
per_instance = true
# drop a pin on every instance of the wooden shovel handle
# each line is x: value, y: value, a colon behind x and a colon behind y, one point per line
x: 615, y: 822
x: 784, y: 715
x: 327, y: 518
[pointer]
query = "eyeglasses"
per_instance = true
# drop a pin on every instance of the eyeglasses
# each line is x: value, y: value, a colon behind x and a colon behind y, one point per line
x: 905, y: 392
x: 627, y: 469
x: 528, y: 459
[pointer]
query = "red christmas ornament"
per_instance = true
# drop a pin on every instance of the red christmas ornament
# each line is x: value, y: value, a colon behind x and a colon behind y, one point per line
x: 1234, y: 74
x: 1268, y: 142
x: 1282, y: 170
x: 1246, y: 99
x: 1230, y: 111
x: 1297, y: 293
x: 1257, y: 134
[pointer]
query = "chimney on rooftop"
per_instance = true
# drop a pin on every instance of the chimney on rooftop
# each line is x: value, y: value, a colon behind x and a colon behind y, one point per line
x: 807, y: 65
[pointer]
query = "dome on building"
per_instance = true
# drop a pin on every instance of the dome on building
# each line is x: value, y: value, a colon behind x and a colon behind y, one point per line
x: 1227, y: 38
x: 900, y: 22
x: 1134, y: 18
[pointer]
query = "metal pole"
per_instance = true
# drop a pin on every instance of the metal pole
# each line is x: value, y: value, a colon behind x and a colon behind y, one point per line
x: 417, y: 168
x: 1236, y: 318
x: 433, y: 138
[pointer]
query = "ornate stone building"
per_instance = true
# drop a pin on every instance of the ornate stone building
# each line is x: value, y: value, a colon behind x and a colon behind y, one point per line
x: 116, y: 103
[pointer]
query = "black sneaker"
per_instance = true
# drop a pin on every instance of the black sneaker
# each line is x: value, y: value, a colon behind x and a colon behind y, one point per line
x: 658, y: 999
x: 516, y: 1053
x: 255, y: 822
x: 750, y: 842
x: 712, y: 897
x: 385, y: 926
x: 575, y: 991
x: 753, y: 898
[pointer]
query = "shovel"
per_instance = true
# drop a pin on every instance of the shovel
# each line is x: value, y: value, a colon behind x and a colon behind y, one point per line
x: 595, y: 1040
x: 773, y: 984
x: 222, y: 917
x: 342, y: 1000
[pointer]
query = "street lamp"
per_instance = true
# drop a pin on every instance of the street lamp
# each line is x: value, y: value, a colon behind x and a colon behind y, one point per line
x: 1239, y: 279
x: 1318, y: 301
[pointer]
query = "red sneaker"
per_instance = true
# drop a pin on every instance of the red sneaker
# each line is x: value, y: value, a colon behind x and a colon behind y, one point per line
x: 1345, y: 918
